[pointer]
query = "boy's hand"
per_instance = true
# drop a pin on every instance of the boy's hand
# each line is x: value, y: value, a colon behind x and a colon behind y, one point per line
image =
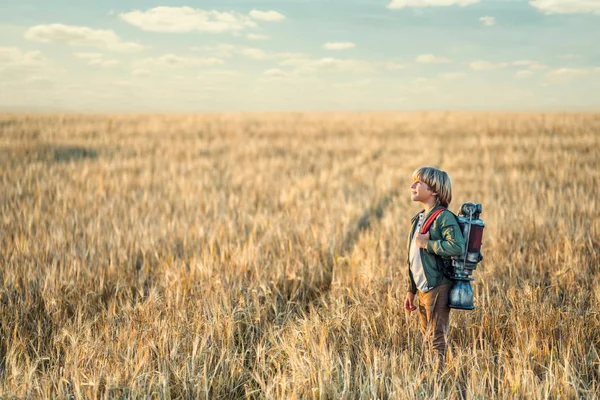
x: 408, y: 302
x: 422, y: 240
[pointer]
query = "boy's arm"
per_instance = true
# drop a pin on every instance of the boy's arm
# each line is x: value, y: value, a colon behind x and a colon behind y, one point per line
x: 453, y: 242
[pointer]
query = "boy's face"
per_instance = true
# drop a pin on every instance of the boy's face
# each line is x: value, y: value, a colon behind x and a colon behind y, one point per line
x: 420, y: 191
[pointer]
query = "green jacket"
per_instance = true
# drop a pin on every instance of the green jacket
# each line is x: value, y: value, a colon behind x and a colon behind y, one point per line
x: 445, y: 240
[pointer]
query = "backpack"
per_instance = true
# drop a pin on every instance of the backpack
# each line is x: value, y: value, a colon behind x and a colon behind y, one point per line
x: 444, y: 263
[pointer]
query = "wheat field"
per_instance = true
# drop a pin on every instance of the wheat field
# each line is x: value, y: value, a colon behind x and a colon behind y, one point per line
x: 263, y: 255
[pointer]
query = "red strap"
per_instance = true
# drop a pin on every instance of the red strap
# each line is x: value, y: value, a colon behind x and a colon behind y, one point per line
x: 430, y: 220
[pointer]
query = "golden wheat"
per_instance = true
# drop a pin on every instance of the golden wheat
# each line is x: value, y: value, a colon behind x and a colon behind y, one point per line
x: 263, y: 255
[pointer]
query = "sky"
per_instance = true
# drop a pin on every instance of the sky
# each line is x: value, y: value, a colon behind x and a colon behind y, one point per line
x: 299, y: 55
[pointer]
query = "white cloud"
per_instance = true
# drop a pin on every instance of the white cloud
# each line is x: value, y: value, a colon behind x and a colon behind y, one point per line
x: 270, y: 16
x: 88, y: 56
x: 566, y: 6
x: 254, y: 36
x: 174, y: 61
x: 526, y: 73
x: 17, y: 64
x: 219, y: 74
x: 488, y: 21
x: 276, y: 73
x: 394, y: 4
x: 451, y: 76
x: 96, y: 59
x: 292, y: 77
x: 569, y: 56
x: 303, y: 64
x: 187, y: 19
x: 290, y: 55
x: 530, y: 64
x: 481, y: 65
x: 225, y: 47
x: 140, y: 72
x: 105, y: 63
x: 80, y: 36
x: 431, y: 59
x: 564, y: 75
x: 122, y: 84
x: 222, y: 77
x: 257, y: 54
x: 339, y: 45
x: 353, y: 85
x: 420, y: 86
x: 40, y: 82
x: 222, y: 50
x: 327, y: 64
x: 393, y: 66
x: 15, y: 57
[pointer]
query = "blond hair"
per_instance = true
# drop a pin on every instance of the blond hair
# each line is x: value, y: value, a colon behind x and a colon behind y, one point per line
x: 438, y: 181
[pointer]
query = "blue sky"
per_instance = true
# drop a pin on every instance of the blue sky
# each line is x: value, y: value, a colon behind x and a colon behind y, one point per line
x: 168, y: 56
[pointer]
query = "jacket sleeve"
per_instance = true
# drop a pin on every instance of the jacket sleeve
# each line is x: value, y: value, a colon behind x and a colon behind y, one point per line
x: 412, y: 286
x: 452, y: 242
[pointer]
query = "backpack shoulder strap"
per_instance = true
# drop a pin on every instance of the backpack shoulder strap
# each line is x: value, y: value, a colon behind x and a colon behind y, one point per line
x: 430, y: 220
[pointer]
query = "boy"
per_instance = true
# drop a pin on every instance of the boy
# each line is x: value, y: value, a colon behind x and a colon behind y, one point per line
x: 433, y: 189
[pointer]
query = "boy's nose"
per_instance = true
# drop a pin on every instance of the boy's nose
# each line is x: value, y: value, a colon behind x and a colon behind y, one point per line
x: 413, y: 185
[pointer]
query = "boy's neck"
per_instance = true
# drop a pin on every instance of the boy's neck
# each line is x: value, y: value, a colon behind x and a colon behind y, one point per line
x: 429, y: 205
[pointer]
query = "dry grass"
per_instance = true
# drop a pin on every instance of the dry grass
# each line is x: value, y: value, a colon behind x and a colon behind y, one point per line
x: 263, y: 255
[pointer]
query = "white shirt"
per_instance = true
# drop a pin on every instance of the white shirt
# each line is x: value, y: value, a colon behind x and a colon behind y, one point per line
x: 416, y: 265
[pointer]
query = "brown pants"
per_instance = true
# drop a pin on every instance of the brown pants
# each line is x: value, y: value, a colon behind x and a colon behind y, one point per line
x: 435, y: 318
